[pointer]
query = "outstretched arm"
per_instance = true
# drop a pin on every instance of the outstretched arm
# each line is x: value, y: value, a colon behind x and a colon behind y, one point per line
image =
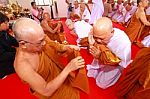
x: 39, y: 84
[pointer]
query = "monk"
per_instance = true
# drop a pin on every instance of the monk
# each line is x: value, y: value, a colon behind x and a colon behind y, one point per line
x: 54, y: 30
x: 37, y: 64
x: 138, y: 21
x: 80, y: 29
x: 111, y: 49
x: 136, y: 82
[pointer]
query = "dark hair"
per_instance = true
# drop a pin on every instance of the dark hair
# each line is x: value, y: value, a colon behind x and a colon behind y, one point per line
x: 138, y: 1
x: 32, y: 3
x: 3, y: 18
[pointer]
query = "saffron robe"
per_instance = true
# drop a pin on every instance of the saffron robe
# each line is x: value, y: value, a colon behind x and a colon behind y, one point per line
x: 59, y: 36
x: 136, y: 82
x: 50, y: 67
x: 134, y: 29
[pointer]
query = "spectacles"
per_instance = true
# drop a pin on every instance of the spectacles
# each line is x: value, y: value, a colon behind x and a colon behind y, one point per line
x: 42, y: 42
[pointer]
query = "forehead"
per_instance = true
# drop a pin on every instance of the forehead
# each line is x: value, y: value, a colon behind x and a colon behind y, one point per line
x: 98, y: 32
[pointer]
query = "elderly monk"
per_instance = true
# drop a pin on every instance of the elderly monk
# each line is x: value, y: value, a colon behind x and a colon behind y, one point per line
x: 37, y: 64
x: 104, y: 40
x: 136, y: 82
x: 53, y: 30
x: 138, y: 21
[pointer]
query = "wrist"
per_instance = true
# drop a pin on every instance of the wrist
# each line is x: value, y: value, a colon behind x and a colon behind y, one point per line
x: 66, y: 70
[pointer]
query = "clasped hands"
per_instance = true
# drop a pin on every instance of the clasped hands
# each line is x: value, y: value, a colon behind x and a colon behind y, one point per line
x: 95, y: 52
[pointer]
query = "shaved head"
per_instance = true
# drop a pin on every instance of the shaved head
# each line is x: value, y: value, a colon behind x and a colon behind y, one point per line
x: 27, y: 29
x: 103, y: 25
x: 103, y: 28
x: 46, y: 15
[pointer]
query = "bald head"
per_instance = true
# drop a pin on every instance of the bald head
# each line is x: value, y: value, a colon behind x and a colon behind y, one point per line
x: 27, y: 29
x: 103, y: 25
x: 46, y: 16
x: 102, y: 28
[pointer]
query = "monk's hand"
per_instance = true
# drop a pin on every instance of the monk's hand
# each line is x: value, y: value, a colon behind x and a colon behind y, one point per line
x: 95, y: 52
x: 90, y: 37
x: 75, y: 64
x: 72, y: 47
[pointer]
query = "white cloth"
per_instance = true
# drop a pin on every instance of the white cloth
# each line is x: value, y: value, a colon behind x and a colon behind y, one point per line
x: 77, y: 11
x: 86, y: 14
x: 106, y: 75
x: 97, y: 10
x: 82, y: 29
x: 132, y: 11
x: 119, y: 14
x: 148, y: 11
x: 146, y: 41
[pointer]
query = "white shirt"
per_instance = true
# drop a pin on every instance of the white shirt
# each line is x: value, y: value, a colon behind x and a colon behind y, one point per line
x: 148, y: 11
x: 106, y: 75
x: 82, y: 28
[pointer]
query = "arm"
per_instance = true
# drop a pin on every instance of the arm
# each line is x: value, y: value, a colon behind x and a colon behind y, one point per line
x: 39, y: 84
x: 143, y: 18
x: 110, y: 8
x: 46, y: 27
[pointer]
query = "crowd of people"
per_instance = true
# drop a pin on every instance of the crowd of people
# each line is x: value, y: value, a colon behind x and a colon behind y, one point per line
x: 36, y: 45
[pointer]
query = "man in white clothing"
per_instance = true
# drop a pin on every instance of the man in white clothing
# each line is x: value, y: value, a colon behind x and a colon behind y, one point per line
x: 117, y: 42
x: 84, y: 12
x: 79, y: 28
x: 76, y: 9
x: 97, y: 10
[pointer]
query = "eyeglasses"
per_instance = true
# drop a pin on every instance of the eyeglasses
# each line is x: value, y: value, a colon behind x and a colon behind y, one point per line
x: 42, y: 42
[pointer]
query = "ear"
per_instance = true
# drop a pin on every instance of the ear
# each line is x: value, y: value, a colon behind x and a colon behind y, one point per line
x: 22, y: 44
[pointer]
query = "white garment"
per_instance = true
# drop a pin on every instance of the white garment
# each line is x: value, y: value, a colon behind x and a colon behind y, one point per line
x: 86, y: 14
x: 77, y: 11
x: 148, y: 11
x: 119, y: 14
x: 97, y: 10
x: 132, y: 11
x: 146, y: 41
x: 106, y: 75
x: 129, y: 14
x: 82, y: 29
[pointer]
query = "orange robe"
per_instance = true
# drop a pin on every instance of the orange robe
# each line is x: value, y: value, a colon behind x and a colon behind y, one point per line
x: 107, y: 57
x: 134, y: 29
x: 136, y: 82
x: 50, y: 67
x: 58, y: 36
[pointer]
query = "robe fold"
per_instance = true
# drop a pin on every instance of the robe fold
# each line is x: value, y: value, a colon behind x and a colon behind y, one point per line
x: 134, y: 29
x: 50, y: 67
x: 59, y: 36
x: 136, y: 82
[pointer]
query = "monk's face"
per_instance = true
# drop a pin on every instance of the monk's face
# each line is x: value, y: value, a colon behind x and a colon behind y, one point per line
x: 76, y: 5
x: 46, y: 16
x: 101, y: 36
x: 35, y: 43
x: 144, y: 3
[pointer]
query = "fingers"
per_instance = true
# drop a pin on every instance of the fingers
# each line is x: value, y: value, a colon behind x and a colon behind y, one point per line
x: 74, y: 47
x: 93, y: 49
x: 79, y: 61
